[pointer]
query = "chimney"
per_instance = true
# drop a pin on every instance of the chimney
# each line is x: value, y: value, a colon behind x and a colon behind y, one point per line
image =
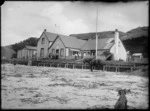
x: 44, y: 30
x: 116, y: 44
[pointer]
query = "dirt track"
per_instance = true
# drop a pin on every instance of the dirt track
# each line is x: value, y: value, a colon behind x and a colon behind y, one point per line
x: 34, y: 87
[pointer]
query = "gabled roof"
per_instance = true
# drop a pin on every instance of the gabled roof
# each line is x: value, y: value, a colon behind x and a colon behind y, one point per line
x: 69, y: 41
x: 72, y: 42
x: 50, y: 36
x: 137, y: 54
x: 31, y: 47
x: 103, y: 43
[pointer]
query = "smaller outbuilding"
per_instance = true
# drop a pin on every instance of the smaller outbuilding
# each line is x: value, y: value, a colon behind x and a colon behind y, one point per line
x: 28, y: 52
x: 137, y: 56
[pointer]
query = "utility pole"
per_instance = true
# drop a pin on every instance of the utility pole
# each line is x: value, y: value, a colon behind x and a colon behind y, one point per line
x: 96, y: 33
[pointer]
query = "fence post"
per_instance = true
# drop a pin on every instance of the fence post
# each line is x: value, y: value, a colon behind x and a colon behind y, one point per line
x: 103, y: 67
x: 29, y: 62
x: 131, y: 69
x: 116, y: 68
x: 66, y: 65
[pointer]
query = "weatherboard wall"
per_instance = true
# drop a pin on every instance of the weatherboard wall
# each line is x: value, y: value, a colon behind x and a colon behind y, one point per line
x: 122, y: 54
x: 58, y: 44
x: 45, y: 46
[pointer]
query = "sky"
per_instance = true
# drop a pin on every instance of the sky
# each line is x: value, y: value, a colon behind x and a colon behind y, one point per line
x: 23, y: 19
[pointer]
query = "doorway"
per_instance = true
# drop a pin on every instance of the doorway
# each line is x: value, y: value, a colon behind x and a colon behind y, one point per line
x: 57, y: 53
x: 93, y: 52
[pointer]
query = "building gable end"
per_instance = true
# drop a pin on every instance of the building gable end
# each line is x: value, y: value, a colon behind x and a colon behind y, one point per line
x: 62, y: 41
x: 53, y: 43
x: 42, y: 35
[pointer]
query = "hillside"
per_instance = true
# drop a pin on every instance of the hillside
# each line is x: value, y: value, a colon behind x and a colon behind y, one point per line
x: 135, y: 33
x: 7, y: 52
x: 92, y: 35
x: 137, y: 45
x: 32, y: 41
x: 136, y: 40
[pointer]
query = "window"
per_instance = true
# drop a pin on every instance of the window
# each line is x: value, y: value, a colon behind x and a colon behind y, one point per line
x: 75, y: 52
x: 119, y: 43
x: 67, y: 51
x: 53, y: 51
x: 61, y: 52
x: 43, y: 40
x: 34, y: 52
x: 42, y: 52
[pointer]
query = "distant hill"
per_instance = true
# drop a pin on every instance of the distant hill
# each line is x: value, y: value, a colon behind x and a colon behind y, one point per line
x: 92, y: 35
x: 7, y: 52
x: 137, y: 45
x: 135, y: 33
x: 136, y: 40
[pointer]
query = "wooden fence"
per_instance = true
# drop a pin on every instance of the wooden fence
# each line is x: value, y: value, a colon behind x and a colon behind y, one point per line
x: 106, y: 67
x: 65, y: 65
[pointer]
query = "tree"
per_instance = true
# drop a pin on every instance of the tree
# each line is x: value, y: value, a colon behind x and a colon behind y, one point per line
x: 32, y: 41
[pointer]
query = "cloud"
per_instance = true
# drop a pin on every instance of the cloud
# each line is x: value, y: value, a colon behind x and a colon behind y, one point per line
x: 64, y: 24
x: 10, y: 38
x: 54, y: 10
x: 21, y: 20
x: 76, y: 26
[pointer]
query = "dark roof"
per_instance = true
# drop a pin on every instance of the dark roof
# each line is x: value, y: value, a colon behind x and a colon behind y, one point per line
x: 69, y: 41
x: 51, y: 36
x: 103, y: 43
x: 72, y: 42
x: 31, y: 47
